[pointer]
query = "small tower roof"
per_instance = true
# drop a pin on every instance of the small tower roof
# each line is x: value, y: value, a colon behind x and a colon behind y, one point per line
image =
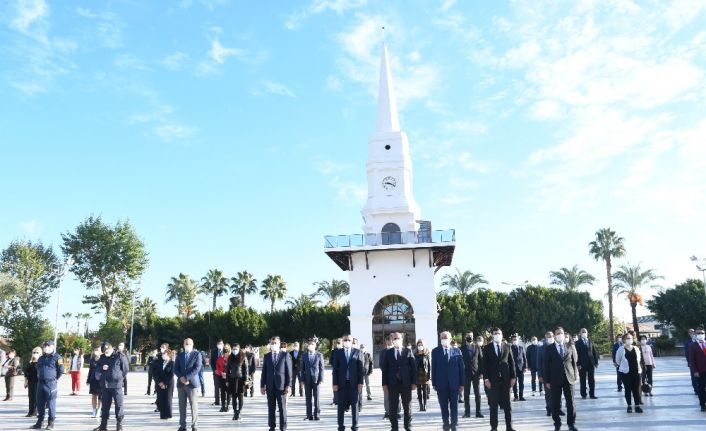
x: 387, y: 118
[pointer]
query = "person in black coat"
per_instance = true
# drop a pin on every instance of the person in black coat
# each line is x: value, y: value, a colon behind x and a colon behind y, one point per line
x: 331, y: 361
x: 252, y: 367
x: 348, y: 377
x: 163, y: 375
x: 399, y: 378
x: 532, y: 352
x: 113, y: 368
x: 30, y: 373
x: 560, y: 375
x: 93, y: 381
x: 215, y: 354
x: 471, y: 360
x: 520, y: 357
x: 275, y: 382
x: 588, y: 362
x: 499, y: 374
x: 237, y: 378
x: 296, y: 363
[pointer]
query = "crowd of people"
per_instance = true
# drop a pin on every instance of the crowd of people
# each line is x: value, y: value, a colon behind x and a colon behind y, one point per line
x: 453, y: 371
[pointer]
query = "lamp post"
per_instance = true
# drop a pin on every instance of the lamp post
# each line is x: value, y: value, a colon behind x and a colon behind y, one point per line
x: 700, y: 266
x: 132, y: 322
x: 61, y: 271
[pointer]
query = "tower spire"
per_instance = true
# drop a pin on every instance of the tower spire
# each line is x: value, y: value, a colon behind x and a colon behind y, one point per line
x: 387, y: 117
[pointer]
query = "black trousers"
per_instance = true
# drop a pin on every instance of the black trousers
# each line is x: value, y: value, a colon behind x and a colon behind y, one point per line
x: 396, y: 392
x: 647, y: 374
x: 619, y: 379
x: 276, y: 399
x: 533, y: 373
x: 149, y: 381
x: 223, y: 392
x: 295, y: 380
x: 236, y: 389
x: 125, y: 385
x: 32, y: 395
x: 567, y: 390
x: 107, y: 398
x: 164, y: 400
x: 422, y: 395
x: 312, y: 400
x: 216, y: 388
x: 633, y: 387
x: 590, y: 375
x: 475, y: 383
x: 348, y: 398
x: 499, y: 396
x: 701, y: 387
x: 519, y: 383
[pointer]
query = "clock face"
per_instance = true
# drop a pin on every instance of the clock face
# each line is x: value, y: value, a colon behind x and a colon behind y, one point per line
x: 389, y: 183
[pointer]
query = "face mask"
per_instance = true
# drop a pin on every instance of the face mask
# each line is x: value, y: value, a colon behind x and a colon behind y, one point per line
x: 514, y: 342
x: 120, y: 348
x: 236, y: 351
x: 445, y: 342
x: 397, y: 343
x: 700, y: 337
x: 162, y: 350
x: 628, y: 341
x: 295, y: 349
x: 274, y: 347
x: 362, y: 349
x: 420, y: 346
x: 643, y: 342
x: 188, y: 349
x: 312, y: 347
x: 575, y: 339
x: 339, y: 345
x: 584, y: 335
x: 469, y: 339
x: 559, y: 338
x: 497, y: 337
x: 283, y: 350
x: 534, y: 342
x: 550, y: 340
x: 479, y: 343
x: 220, y: 346
x: 347, y: 344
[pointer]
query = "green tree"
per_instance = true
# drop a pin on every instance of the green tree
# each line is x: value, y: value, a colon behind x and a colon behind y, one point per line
x: 8, y: 287
x: 105, y: 258
x: 33, y: 272
x: 243, y: 284
x: 84, y: 317
x: 606, y: 247
x: 462, y: 282
x: 183, y: 290
x: 146, y: 311
x: 571, y: 279
x: 68, y: 342
x: 111, y: 331
x: 683, y: 306
x: 214, y: 284
x: 333, y: 291
x: 632, y: 279
x: 303, y: 301
x: 273, y: 289
x: 27, y: 333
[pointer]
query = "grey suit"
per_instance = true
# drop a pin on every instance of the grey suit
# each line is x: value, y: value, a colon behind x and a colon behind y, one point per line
x: 188, y: 366
x: 561, y: 374
x: 311, y: 374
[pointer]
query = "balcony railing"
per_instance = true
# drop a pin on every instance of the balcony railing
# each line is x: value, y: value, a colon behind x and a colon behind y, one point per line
x: 390, y: 238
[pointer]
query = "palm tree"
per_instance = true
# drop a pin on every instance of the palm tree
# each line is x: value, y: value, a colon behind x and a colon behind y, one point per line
x: 214, y: 283
x: 243, y: 284
x: 183, y: 290
x: 66, y: 317
x: 631, y: 279
x: 79, y: 318
x: 463, y: 282
x: 303, y: 301
x: 606, y: 246
x: 571, y: 279
x: 273, y: 289
x: 333, y: 291
x: 146, y: 311
x: 85, y: 317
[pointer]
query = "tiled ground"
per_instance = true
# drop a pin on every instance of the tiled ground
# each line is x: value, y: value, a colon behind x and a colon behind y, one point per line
x: 674, y: 407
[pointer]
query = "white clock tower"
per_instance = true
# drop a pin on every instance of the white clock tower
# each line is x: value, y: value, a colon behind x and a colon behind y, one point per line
x: 392, y: 263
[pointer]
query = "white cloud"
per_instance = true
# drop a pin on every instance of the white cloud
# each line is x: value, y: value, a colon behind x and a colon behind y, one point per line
x: 219, y: 53
x: 29, y: 12
x: 295, y: 19
x: 333, y: 83
x: 272, y: 87
x: 175, y: 61
x: 127, y: 61
x: 170, y: 132
x: 447, y: 4
x: 30, y: 227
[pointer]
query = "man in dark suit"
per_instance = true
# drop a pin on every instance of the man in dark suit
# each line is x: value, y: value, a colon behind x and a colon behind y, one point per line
x: 588, y: 362
x: 215, y: 354
x: 447, y: 376
x: 296, y: 363
x: 348, y: 376
x: 687, y: 344
x: 186, y: 369
x: 697, y: 359
x: 275, y: 381
x: 520, y: 358
x: 399, y: 377
x: 312, y: 375
x: 331, y: 360
x: 499, y: 374
x: 560, y: 374
x: 532, y: 352
x: 471, y: 364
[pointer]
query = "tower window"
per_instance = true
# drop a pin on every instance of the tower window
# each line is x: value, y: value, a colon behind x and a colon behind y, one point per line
x: 391, y: 234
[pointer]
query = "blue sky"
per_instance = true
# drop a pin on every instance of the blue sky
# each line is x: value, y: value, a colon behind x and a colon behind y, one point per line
x: 235, y: 136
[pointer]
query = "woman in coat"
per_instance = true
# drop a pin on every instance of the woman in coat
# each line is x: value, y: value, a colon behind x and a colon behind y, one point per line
x: 93, y: 381
x: 423, y: 374
x: 220, y: 371
x: 628, y: 359
x: 31, y: 381
x: 164, y: 383
x: 237, y: 374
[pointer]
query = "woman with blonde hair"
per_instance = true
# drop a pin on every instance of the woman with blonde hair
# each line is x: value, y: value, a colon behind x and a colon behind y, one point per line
x: 423, y: 374
x: 30, y: 372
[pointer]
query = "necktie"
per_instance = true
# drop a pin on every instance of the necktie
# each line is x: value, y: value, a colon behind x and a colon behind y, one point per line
x: 561, y: 350
x: 703, y: 347
x: 446, y: 354
x: 397, y: 354
x: 347, y: 355
x: 497, y: 350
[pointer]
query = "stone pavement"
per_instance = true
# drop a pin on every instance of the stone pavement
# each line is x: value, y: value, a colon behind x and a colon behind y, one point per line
x: 674, y: 407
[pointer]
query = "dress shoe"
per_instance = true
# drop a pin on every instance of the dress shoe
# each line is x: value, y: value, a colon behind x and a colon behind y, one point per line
x: 466, y: 415
x: 193, y: 429
x: 703, y: 408
x: 573, y: 428
x: 100, y: 428
x: 629, y: 409
x: 316, y: 418
x: 583, y: 397
x: 557, y: 427
x: 549, y: 413
x: 561, y: 413
x: 593, y: 397
x: 386, y: 417
x: 182, y: 429
x: 370, y: 398
x: 50, y: 425
x: 638, y: 409
x: 522, y: 399
x: 479, y: 415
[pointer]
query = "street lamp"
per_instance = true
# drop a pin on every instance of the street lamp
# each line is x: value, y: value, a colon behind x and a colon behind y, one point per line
x: 701, y: 266
x: 61, y: 271
x: 132, y: 323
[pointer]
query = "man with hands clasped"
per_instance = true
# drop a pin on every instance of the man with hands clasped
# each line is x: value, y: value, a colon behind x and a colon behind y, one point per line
x: 499, y: 376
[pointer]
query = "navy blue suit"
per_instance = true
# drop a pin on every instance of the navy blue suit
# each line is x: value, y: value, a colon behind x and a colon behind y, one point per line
x: 399, y: 373
x: 311, y: 373
x: 347, y: 374
x: 275, y: 378
x: 447, y: 376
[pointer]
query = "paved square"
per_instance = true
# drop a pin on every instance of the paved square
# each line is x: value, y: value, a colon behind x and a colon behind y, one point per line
x: 674, y: 407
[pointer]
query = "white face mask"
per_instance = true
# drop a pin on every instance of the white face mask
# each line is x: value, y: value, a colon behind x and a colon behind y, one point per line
x: 628, y: 341
x: 576, y: 339
x: 479, y: 343
x: 347, y: 344
x: 420, y: 346
x: 550, y: 341
x: 514, y: 342
x: 700, y: 337
x: 283, y: 350
x: 643, y: 342
x: 274, y: 347
x: 236, y: 351
x: 534, y: 342
x: 312, y: 347
x: 339, y: 345
x: 584, y: 335
x: 559, y: 338
x: 220, y: 346
x: 162, y: 350
x: 397, y: 343
x: 188, y: 349
x: 362, y: 349
x: 295, y: 348
x: 497, y: 338
x: 445, y: 342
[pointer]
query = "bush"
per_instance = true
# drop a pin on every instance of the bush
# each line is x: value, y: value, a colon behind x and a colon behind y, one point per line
x: 68, y: 342
x: 111, y: 331
x: 663, y: 344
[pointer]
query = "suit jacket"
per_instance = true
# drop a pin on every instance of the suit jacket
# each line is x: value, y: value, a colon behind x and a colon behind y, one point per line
x: 403, y: 368
x: 296, y: 362
x: 558, y: 370
x: 189, y: 368
x: 697, y: 358
x: 540, y: 360
x: 215, y: 353
x: 447, y: 374
x: 164, y: 374
x: 471, y: 361
x: 499, y: 370
x: 276, y: 371
x: 354, y: 368
x: 588, y: 355
x: 112, y: 378
x: 311, y: 370
x: 614, y: 349
x: 532, y: 352
x: 520, y: 356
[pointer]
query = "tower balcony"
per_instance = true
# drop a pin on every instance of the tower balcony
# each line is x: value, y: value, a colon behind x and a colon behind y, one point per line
x: 440, y: 243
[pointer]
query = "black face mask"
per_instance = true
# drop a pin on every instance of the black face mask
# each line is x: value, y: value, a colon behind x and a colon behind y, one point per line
x: 469, y: 339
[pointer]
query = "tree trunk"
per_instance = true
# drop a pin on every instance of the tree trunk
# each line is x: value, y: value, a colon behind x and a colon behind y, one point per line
x: 214, y: 302
x: 242, y: 299
x: 635, y: 326
x: 611, y: 333
x: 272, y: 306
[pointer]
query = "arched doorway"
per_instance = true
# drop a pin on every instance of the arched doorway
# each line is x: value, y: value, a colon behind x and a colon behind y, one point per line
x: 391, y: 234
x: 393, y: 313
